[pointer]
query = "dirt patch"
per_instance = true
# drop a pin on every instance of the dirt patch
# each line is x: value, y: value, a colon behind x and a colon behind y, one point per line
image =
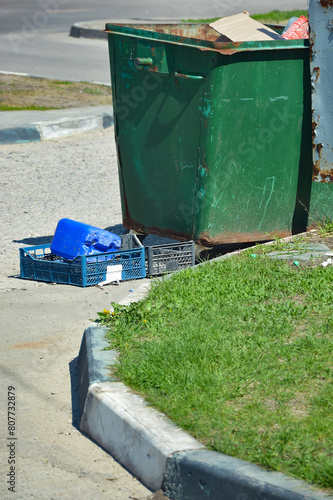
x: 315, y: 237
x: 21, y: 92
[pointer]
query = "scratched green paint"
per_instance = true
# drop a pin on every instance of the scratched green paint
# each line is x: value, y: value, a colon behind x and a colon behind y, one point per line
x: 223, y: 156
x: 321, y: 201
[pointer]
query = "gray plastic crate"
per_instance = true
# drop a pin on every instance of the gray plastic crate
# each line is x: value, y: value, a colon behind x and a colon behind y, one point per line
x: 170, y: 257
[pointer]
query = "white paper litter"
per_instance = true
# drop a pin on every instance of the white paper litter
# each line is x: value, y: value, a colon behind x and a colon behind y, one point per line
x: 113, y: 274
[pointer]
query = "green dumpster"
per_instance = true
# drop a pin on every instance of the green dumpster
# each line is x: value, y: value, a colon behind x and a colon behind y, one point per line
x: 213, y: 139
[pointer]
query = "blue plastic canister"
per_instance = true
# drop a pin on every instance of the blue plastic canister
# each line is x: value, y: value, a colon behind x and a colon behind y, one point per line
x: 73, y: 238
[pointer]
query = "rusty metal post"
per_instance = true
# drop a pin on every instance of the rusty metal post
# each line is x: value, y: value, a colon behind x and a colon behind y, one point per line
x: 321, y: 61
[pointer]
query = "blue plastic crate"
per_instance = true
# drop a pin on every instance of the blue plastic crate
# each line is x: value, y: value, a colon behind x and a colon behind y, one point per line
x: 38, y: 263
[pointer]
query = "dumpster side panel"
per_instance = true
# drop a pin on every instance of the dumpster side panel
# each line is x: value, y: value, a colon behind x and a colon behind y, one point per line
x: 157, y: 127
x: 255, y: 150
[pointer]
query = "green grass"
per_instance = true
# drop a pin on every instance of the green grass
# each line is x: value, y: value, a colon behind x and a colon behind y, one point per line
x: 93, y: 91
x: 279, y: 16
x: 239, y: 353
x: 325, y: 226
x: 273, y: 17
x: 5, y: 107
x: 61, y: 82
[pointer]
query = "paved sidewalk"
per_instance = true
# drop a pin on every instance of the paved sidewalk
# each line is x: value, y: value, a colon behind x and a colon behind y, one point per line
x: 42, y: 324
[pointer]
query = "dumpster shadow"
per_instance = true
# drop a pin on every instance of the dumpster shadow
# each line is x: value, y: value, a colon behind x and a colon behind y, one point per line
x: 220, y: 250
x: 158, y: 130
x: 304, y: 183
x: 39, y: 240
x: 45, y: 240
x: 118, y: 229
x: 147, y: 239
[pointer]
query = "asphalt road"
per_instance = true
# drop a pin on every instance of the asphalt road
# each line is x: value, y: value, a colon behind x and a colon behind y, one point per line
x: 34, y: 33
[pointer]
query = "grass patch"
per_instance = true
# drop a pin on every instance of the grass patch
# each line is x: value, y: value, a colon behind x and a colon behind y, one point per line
x: 239, y: 353
x: 26, y: 93
x: 5, y: 107
x: 61, y: 82
x: 325, y: 227
x: 273, y: 17
x: 93, y: 91
x: 280, y: 245
x: 279, y: 16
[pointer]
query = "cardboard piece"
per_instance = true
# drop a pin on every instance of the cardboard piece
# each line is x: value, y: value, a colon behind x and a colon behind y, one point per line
x: 241, y: 28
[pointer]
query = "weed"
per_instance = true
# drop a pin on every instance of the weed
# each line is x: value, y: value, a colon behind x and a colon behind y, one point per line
x: 325, y: 226
x: 280, y: 245
x: 93, y: 91
x: 5, y: 107
x: 61, y: 82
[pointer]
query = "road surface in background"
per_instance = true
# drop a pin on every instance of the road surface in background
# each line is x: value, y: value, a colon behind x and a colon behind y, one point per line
x: 34, y: 34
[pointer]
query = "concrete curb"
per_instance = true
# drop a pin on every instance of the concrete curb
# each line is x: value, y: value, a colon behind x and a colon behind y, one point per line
x: 193, y: 475
x: 139, y: 437
x: 158, y: 452
x: 85, y: 30
x: 94, y: 29
x: 34, y: 126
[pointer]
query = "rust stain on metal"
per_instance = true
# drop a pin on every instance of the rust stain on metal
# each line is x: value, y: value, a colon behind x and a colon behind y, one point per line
x: 198, y: 32
x: 314, y: 126
x: 126, y: 215
x: 227, y: 237
x: 130, y: 223
x: 232, y: 45
x: 319, y: 148
x: 326, y: 4
x: 316, y: 69
x: 322, y: 172
x: 194, y: 31
x: 204, y: 164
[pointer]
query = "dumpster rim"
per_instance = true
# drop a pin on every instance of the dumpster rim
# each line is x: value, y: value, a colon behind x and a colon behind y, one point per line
x: 225, y: 48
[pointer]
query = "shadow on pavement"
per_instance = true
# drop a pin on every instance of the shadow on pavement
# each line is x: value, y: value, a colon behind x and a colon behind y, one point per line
x: 39, y: 240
